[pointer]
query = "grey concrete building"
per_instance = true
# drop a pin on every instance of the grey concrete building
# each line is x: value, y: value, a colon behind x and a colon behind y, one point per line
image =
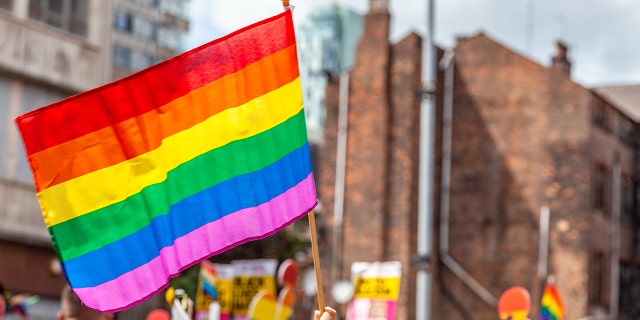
x: 50, y: 50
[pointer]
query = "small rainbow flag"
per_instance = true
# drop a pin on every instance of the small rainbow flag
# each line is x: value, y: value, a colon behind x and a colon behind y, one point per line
x: 149, y: 175
x: 551, y: 307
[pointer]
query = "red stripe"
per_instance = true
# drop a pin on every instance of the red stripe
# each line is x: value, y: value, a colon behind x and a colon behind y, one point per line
x: 106, y: 147
x: 153, y: 87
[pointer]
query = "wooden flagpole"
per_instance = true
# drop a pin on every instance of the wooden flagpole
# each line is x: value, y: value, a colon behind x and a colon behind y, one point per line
x: 316, y: 259
x: 314, y: 239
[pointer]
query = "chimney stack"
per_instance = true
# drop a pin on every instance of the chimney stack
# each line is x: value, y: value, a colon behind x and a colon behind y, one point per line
x: 559, y: 62
x: 378, y: 6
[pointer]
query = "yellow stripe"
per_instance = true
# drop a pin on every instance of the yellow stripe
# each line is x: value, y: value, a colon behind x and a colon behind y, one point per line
x: 113, y: 184
x: 552, y: 305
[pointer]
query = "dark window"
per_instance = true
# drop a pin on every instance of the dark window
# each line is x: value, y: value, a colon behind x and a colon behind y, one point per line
x: 626, y: 131
x: 601, y: 115
x: 6, y: 4
x: 68, y: 15
x: 123, y: 21
x: 626, y: 197
x: 629, y: 291
x: 601, y: 178
x: 597, y: 278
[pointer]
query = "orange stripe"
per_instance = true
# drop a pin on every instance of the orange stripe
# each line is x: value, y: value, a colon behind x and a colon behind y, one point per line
x: 103, y: 148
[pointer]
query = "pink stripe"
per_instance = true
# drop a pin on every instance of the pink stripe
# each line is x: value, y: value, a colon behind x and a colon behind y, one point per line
x: 213, y: 238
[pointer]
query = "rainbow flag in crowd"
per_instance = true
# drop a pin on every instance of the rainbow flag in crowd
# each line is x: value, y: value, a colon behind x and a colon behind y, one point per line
x: 551, y: 307
x: 146, y: 176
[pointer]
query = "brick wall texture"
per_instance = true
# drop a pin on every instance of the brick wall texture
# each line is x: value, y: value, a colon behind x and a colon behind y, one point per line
x: 522, y: 138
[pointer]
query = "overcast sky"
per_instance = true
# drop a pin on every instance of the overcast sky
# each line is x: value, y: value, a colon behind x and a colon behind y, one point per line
x: 602, y: 35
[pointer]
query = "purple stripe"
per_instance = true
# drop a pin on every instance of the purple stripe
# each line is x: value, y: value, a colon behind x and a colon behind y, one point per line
x: 213, y: 238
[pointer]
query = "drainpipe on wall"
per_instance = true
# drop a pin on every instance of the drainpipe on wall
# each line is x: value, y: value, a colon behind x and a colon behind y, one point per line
x: 448, y: 65
x: 615, y: 240
x: 341, y: 155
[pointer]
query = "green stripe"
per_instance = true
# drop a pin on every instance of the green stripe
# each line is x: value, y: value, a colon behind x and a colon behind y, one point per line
x: 101, y: 227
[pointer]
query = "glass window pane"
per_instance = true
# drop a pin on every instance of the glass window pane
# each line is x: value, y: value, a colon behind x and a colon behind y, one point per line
x: 121, y: 56
x: 123, y: 21
x: 6, y: 4
x: 56, y: 6
x: 36, y: 9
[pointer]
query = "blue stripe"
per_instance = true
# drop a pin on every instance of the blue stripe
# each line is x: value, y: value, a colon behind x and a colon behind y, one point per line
x: 209, y: 289
x: 240, y: 192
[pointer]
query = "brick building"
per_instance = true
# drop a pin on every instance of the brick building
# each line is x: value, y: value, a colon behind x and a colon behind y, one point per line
x: 524, y: 137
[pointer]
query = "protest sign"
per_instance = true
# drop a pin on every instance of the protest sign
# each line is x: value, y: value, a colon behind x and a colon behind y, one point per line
x: 377, y: 287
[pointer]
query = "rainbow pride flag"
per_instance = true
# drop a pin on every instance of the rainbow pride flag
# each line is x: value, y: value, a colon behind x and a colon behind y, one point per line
x: 149, y: 175
x: 551, y: 307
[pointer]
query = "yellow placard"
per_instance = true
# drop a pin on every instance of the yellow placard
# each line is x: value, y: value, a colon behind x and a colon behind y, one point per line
x: 244, y: 288
x: 377, y: 288
x: 225, y: 295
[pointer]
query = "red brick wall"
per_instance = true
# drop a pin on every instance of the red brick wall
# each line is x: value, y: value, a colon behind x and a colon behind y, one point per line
x: 520, y: 141
x: 367, y: 145
x: 401, y: 225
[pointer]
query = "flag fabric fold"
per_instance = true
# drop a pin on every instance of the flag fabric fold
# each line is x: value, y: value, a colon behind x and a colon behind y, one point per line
x: 551, y: 307
x: 149, y: 175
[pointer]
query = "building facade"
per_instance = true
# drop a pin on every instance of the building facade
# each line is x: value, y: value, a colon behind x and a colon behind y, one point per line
x: 51, y: 50
x: 374, y: 216
x: 525, y: 140
x: 146, y: 32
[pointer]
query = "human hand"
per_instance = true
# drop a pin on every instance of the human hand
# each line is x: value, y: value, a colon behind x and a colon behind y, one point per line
x: 328, y: 314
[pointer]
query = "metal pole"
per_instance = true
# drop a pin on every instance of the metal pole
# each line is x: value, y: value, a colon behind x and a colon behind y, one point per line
x: 615, y: 240
x: 543, y: 250
x: 426, y: 164
x: 446, y: 64
x: 341, y: 154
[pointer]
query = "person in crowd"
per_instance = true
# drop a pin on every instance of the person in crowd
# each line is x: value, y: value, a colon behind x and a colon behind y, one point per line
x: 71, y: 308
x: 328, y: 314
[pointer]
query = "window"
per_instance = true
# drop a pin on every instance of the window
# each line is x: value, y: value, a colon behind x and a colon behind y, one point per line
x: 123, y: 21
x: 174, y: 7
x: 6, y: 4
x: 68, y: 15
x: 121, y: 56
x: 601, y: 115
x: 143, y: 28
x: 601, y: 178
x: 626, y: 197
x: 169, y: 38
x: 629, y: 290
x: 140, y: 60
x: 626, y: 131
x: 597, y: 279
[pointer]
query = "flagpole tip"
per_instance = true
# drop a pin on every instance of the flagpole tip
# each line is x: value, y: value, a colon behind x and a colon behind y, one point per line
x: 285, y: 3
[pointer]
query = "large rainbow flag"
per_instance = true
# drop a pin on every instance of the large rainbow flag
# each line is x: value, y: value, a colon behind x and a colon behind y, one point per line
x: 146, y: 176
x: 551, y: 307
